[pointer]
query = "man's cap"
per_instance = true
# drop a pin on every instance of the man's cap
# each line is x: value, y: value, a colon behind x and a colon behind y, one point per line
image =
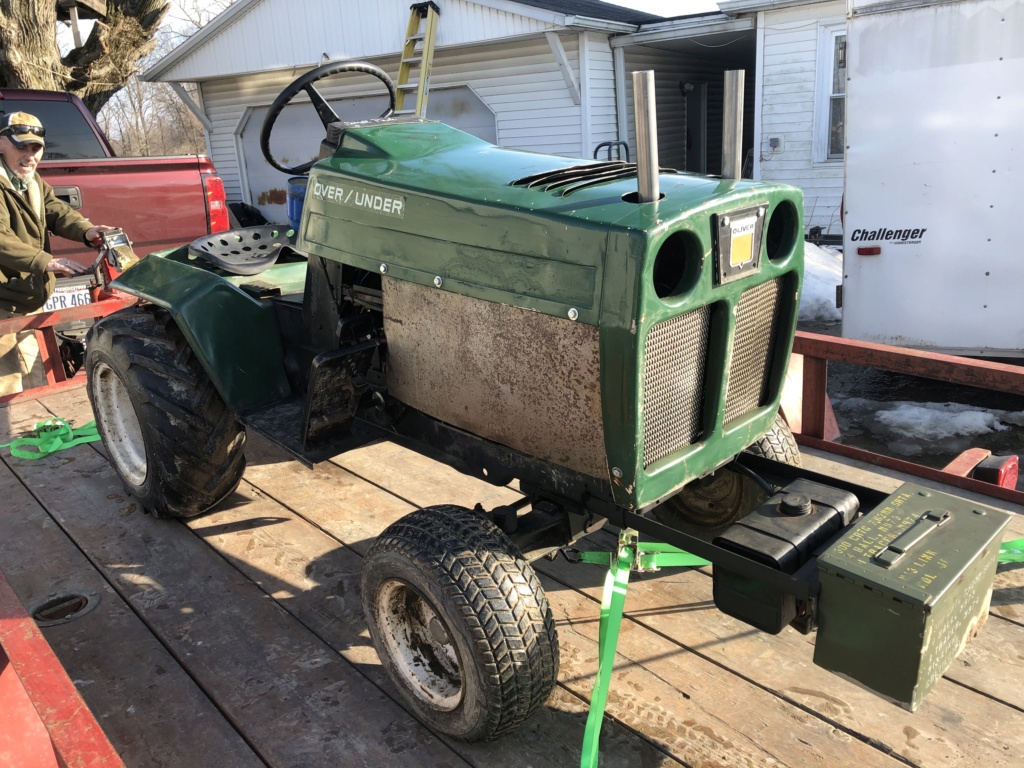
x: 22, y: 128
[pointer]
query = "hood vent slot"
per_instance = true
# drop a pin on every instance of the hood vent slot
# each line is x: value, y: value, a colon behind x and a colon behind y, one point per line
x: 565, y: 181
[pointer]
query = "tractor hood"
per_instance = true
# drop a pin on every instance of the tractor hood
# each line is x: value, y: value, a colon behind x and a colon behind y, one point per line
x: 431, y: 158
x: 529, y: 299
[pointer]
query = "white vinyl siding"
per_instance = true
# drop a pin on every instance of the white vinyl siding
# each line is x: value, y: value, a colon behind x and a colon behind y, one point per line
x: 598, y: 91
x: 272, y: 34
x: 791, y: 54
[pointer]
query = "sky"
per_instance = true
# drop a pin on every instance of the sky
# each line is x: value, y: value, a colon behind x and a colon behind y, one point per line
x: 668, y: 7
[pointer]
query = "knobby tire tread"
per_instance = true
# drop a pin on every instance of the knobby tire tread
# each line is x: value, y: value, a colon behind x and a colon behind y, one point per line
x: 778, y: 444
x: 496, y: 593
x: 196, y: 449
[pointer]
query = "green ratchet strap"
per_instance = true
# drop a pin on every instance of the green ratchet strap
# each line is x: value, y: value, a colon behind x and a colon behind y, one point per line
x: 1012, y: 551
x: 630, y: 555
x: 49, y: 436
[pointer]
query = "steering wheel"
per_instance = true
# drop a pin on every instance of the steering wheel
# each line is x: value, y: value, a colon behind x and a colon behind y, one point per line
x: 323, y: 109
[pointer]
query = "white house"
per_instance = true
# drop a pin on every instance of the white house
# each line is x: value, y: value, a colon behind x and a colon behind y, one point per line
x: 799, y: 107
x: 544, y: 76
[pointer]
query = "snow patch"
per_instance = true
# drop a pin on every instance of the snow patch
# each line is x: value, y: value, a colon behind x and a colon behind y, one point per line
x: 823, y: 271
x: 914, y: 429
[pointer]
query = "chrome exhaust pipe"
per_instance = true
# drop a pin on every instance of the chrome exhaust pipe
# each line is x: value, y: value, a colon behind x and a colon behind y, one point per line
x: 646, y: 116
x: 732, y: 125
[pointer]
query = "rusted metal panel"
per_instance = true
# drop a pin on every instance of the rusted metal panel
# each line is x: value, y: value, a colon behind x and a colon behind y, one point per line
x: 520, y: 378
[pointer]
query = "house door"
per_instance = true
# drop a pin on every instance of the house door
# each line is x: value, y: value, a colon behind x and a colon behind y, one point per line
x: 696, y: 97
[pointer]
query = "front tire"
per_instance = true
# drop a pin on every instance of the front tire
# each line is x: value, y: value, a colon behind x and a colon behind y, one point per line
x: 171, y: 438
x: 720, y: 500
x: 460, y: 621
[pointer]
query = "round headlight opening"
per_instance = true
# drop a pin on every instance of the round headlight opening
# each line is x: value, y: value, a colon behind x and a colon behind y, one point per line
x: 677, y: 265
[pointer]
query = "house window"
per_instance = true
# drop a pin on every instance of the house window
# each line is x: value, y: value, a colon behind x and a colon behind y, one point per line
x: 837, y: 99
x: 830, y: 101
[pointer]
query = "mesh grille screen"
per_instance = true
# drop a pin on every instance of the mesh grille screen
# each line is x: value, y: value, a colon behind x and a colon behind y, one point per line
x: 676, y: 355
x: 756, y: 325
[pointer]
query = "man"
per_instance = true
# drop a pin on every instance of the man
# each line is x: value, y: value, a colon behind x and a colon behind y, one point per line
x: 29, y: 211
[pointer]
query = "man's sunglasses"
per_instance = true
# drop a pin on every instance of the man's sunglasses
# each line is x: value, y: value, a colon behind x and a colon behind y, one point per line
x: 35, y: 130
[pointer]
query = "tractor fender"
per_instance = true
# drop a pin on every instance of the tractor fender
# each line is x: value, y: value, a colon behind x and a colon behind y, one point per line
x: 234, y: 335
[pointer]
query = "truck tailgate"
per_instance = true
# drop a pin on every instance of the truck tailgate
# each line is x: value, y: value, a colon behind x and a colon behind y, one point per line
x: 127, y: 192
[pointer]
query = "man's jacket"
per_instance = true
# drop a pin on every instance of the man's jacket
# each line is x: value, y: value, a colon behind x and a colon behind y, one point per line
x: 25, y: 224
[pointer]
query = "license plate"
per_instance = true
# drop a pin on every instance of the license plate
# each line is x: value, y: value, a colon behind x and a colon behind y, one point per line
x: 66, y: 296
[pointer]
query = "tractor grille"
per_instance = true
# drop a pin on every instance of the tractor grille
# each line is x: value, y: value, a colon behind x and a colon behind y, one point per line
x: 676, y: 355
x: 757, y: 323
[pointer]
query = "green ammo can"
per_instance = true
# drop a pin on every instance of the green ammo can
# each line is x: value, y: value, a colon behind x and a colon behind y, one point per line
x: 905, y: 589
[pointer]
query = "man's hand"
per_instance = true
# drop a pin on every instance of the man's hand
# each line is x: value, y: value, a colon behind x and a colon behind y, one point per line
x: 93, y: 235
x: 65, y: 267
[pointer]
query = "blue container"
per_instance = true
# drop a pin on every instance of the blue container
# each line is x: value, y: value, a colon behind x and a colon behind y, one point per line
x: 296, y: 197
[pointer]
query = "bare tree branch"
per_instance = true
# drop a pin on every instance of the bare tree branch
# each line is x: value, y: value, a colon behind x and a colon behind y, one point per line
x: 139, y: 118
x: 109, y: 57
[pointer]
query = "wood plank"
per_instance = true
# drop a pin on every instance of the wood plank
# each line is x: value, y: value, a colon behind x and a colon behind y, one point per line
x: 419, y: 481
x: 679, y: 603
x: 294, y: 699
x: 145, y: 702
x: 788, y: 666
x: 316, y: 580
x: 45, y: 718
x: 711, y: 725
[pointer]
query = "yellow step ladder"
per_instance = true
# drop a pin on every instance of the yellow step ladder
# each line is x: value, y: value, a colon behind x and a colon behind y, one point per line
x: 421, y: 34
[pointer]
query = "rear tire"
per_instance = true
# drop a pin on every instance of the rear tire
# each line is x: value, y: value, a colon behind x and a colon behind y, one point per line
x: 171, y: 438
x: 778, y: 444
x: 460, y: 621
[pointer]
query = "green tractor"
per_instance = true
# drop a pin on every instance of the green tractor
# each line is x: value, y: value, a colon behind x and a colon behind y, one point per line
x: 521, y: 317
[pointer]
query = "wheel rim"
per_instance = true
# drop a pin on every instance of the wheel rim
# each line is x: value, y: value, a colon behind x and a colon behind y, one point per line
x: 419, y: 644
x: 122, y: 431
x: 713, y: 502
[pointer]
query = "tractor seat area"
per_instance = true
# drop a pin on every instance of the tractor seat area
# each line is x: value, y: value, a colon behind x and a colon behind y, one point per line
x: 247, y: 251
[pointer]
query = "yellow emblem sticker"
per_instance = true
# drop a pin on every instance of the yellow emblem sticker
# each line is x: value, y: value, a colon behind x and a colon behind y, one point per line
x: 738, y: 236
x: 742, y: 235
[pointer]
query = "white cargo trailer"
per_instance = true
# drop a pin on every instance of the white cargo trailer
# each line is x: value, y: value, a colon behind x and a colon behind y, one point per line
x: 934, y: 200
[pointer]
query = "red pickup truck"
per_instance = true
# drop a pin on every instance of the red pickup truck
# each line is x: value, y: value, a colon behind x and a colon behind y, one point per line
x: 160, y: 202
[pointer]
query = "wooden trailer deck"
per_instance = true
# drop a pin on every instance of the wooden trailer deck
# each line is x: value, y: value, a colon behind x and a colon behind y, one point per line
x: 236, y: 639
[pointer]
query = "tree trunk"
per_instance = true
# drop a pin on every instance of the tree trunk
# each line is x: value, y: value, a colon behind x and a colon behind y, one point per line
x: 30, y: 58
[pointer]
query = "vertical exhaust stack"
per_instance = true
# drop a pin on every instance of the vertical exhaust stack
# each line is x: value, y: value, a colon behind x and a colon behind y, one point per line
x: 645, y: 114
x: 732, y: 125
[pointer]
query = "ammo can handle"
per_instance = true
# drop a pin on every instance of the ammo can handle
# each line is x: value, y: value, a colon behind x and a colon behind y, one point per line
x: 925, y: 524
